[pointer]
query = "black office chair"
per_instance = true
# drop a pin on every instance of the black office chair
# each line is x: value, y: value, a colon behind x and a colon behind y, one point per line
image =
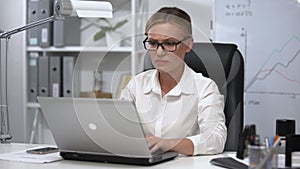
x: 225, y: 65
x: 292, y: 145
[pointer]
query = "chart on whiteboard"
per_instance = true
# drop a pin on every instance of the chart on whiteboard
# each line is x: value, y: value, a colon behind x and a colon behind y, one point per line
x: 268, y: 35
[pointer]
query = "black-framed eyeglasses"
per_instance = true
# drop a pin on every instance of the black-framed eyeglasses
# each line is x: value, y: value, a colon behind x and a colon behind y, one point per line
x: 169, y: 46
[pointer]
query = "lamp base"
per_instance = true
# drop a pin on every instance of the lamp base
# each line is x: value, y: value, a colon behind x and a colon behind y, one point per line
x: 5, y: 138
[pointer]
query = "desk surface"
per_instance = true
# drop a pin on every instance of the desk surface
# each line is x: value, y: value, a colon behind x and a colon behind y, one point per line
x: 180, y: 162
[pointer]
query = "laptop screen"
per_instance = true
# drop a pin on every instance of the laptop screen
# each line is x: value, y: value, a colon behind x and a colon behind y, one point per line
x: 92, y: 125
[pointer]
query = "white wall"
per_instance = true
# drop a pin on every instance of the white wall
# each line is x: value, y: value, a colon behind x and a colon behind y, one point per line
x: 13, y: 15
x: 200, y: 12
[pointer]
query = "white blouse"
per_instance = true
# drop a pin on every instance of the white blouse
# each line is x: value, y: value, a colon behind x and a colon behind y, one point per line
x: 193, y: 109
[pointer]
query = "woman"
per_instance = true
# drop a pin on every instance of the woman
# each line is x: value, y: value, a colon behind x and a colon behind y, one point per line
x: 180, y: 110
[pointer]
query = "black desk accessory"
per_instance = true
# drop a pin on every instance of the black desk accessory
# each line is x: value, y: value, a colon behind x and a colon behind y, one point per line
x: 228, y: 162
x: 247, y: 137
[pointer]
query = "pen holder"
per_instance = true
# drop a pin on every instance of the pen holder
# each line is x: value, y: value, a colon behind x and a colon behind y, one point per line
x: 257, y: 156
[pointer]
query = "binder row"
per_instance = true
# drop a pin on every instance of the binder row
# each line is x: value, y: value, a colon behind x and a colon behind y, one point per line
x: 50, y: 76
x: 58, y: 33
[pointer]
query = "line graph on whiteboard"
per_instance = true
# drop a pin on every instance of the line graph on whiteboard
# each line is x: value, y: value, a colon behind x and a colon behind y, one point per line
x: 279, y: 72
x: 268, y: 39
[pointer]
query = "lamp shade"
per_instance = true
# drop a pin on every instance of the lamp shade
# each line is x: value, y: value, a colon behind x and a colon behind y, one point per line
x: 87, y: 9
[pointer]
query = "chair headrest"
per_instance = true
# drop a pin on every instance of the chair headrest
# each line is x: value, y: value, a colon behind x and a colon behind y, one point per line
x: 210, y: 55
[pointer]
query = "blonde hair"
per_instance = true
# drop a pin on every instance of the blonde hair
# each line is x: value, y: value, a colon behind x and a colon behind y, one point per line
x: 171, y: 15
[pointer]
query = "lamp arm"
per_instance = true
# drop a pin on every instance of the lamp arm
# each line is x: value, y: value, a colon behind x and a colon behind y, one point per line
x: 29, y: 26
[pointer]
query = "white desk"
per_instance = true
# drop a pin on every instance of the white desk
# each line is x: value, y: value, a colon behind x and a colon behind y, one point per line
x: 180, y: 162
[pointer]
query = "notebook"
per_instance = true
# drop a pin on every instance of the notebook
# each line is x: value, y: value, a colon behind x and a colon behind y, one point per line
x: 100, y: 130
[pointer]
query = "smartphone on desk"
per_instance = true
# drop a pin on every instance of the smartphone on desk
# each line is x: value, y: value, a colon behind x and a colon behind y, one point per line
x: 43, y: 150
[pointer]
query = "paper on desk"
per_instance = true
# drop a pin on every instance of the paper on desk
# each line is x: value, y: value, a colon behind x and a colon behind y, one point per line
x: 22, y: 156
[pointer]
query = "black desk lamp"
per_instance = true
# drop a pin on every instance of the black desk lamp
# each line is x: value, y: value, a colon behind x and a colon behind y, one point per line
x: 62, y: 8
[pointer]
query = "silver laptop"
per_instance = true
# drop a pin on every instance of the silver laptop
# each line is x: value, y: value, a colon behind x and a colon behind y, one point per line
x: 102, y: 130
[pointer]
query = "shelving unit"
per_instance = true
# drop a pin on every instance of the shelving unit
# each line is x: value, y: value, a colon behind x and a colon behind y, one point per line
x: 78, y: 49
x: 127, y: 55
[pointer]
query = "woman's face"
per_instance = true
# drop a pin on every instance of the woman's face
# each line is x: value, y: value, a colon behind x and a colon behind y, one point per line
x: 168, y: 32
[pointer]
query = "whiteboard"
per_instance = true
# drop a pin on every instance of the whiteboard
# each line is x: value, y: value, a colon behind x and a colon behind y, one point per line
x: 268, y: 35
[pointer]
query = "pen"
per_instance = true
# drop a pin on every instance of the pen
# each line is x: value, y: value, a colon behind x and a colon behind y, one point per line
x: 276, y: 137
x: 267, y: 142
x: 271, y: 141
